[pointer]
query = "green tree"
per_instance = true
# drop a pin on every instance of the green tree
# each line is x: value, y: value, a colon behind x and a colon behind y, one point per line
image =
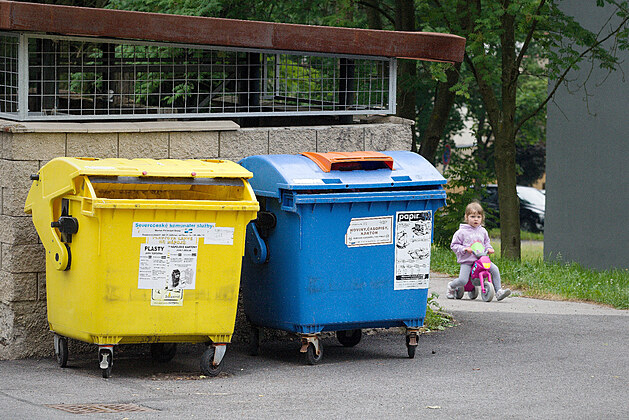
x: 503, y: 34
x: 323, y: 12
x: 531, y: 138
x: 500, y: 33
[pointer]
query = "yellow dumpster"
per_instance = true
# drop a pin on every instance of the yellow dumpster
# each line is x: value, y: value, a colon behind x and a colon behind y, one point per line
x: 142, y: 251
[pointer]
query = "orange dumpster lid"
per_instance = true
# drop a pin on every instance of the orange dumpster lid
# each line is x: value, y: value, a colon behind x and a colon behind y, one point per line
x: 347, y: 160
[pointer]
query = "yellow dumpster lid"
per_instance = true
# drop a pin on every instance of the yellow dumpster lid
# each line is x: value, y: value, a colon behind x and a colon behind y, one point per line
x: 152, y: 168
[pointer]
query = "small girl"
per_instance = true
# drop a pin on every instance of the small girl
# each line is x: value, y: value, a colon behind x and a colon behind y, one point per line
x: 469, y: 232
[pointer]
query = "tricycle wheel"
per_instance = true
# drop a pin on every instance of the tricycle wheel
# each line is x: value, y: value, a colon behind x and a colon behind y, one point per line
x: 312, y: 358
x: 61, y: 350
x: 410, y: 349
x: 349, y: 338
x: 254, y: 341
x: 489, y: 292
x: 459, y: 293
x: 207, y: 366
x: 473, y: 294
x: 163, y: 352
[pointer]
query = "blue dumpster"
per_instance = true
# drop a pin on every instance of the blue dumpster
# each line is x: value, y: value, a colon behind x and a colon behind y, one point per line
x: 341, y: 243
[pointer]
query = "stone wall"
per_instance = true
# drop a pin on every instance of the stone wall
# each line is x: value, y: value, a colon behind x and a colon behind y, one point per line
x: 26, y: 147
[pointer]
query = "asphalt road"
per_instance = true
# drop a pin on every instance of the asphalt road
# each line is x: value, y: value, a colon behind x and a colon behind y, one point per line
x: 520, y: 358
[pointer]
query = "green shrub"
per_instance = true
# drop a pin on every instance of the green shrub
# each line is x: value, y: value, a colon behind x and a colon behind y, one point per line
x: 466, y: 178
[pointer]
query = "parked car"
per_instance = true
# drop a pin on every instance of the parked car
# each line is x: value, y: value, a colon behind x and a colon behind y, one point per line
x: 532, y: 206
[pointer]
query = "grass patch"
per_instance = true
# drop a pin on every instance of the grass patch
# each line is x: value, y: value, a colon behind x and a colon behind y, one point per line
x: 436, y: 317
x: 530, y: 251
x: 537, y: 278
x: 524, y: 235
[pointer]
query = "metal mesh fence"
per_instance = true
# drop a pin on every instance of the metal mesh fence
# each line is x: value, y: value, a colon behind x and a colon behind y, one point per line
x: 78, y: 78
x: 8, y: 73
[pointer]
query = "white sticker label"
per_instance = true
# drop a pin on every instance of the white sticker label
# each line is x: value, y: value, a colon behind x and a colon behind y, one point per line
x: 413, y: 230
x: 211, y: 234
x: 166, y: 297
x: 369, y: 231
x: 168, y: 263
x: 219, y: 236
x: 141, y: 229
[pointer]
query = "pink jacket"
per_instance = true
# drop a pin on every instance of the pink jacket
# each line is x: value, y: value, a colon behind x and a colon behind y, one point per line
x: 465, y: 237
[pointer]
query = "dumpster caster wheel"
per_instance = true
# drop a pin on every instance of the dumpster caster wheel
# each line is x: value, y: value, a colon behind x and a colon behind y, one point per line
x: 163, y: 352
x: 106, y: 357
x: 489, y: 292
x: 254, y: 341
x: 473, y: 294
x: 208, y: 366
x: 312, y: 358
x: 61, y: 350
x: 349, y: 338
x: 411, y: 351
x: 459, y: 293
x: 410, y: 347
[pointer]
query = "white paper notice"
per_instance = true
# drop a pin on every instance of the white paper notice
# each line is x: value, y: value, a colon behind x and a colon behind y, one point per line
x: 369, y: 231
x: 219, y: 236
x: 168, y: 263
x: 413, y: 230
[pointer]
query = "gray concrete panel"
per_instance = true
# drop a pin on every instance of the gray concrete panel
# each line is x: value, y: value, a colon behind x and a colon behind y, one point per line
x: 587, y: 194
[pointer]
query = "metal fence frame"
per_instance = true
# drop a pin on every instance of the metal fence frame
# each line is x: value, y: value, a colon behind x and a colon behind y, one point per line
x: 9, y: 76
x: 346, y: 103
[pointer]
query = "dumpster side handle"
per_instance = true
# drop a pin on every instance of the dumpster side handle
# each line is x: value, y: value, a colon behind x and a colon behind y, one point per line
x: 257, y: 248
x: 257, y: 230
x: 42, y: 211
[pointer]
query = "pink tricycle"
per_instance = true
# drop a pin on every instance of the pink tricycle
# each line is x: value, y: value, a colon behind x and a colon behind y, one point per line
x: 480, y: 277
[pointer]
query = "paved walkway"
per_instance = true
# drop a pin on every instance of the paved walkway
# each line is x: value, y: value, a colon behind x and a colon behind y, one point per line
x: 515, y: 303
x: 519, y: 358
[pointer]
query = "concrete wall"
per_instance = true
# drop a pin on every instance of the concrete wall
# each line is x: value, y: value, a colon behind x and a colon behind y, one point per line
x: 587, y: 198
x: 26, y: 147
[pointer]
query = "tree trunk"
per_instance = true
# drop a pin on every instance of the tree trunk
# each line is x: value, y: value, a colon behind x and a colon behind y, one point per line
x: 505, y: 143
x: 407, y: 69
x: 507, y: 195
x: 502, y: 123
x: 374, y: 18
x: 502, y: 120
x: 444, y: 100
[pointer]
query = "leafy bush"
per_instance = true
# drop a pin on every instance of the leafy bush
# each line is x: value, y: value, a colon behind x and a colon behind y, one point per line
x: 466, y: 178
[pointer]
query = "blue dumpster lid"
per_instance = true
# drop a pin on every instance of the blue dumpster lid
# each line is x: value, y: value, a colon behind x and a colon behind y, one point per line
x: 272, y: 173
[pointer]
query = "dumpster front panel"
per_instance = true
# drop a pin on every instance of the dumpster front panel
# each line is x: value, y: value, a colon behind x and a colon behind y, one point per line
x: 155, y: 259
x: 315, y: 281
x: 351, y: 246
x: 100, y: 295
